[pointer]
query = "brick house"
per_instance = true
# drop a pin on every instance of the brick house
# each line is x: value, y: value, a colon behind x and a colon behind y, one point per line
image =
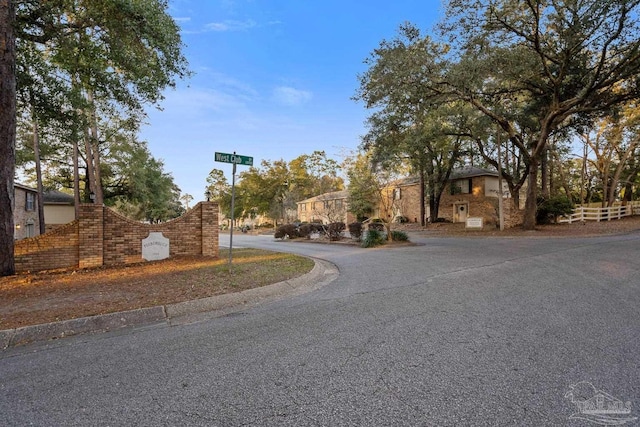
x: 25, y: 212
x: 473, y: 192
x: 470, y: 192
x: 327, y: 208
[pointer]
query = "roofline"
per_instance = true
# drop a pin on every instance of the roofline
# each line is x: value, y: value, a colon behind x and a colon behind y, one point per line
x: 24, y: 187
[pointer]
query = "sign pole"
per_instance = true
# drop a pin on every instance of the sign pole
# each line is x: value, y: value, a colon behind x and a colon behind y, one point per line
x: 233, y: 207
x: 234, y: 159
x: 500, y: 201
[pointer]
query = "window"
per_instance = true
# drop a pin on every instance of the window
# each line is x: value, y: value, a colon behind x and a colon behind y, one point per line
x: 461, y: 186
x: 327, y: 204
x: 339, y: 204
x: 396, y: 194
x: 303, y: 207
x: 30, y: 229
x: 30, y: 204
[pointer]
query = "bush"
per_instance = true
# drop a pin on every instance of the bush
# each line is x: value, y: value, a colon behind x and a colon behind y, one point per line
x: 355, y: 229
x: 399, y: 236
x: 286, y: 231
x: 373, y: 238
x: 441, y: 220
x: 335, y: 230
x: 550, y: 209
x: 376, y: 226
x: 305, y: 230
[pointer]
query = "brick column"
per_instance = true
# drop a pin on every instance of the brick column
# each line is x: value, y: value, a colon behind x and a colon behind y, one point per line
x: 90, y: 235
x: 209, y: 229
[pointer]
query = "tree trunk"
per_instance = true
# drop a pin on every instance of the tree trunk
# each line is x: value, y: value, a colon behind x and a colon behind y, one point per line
x: 530, y: 206
x: 95, y: 151
x: 76, y: 179
x: 7, y: 135
x: 544, y: 173
x: 36, y: 156
x: 433, y: 209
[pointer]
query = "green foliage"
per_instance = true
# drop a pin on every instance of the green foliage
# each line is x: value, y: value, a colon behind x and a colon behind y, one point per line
x: 362, y: 187
x: 373, y: 238
x: 74, y: 75
x: 549, y: 210
x: 399, y: 236
x: 275, y: 187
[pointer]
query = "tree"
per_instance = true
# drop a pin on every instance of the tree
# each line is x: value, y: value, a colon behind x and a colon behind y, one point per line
x: 145, y: 191
x: 311, y: 175
x: 275, y: 187
x: 7, y: 134
x: 408, y: 127
x: 219, y: 190
x: 362, y: 186
x: 536, y: 66
x: 372, y: 190
x: 616, y: 141
x: 186, y: 198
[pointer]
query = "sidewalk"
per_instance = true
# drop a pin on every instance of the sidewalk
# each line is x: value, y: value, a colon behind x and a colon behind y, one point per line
x: 322, y: 274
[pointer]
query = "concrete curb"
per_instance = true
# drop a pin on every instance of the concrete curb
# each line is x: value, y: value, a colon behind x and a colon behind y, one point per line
x: 322, y: 274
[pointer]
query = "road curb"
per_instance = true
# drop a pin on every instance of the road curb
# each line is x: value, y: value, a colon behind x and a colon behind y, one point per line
x: 321, y: 274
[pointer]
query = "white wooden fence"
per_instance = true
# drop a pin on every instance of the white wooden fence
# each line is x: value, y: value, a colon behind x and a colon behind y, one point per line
x: 584, y: 213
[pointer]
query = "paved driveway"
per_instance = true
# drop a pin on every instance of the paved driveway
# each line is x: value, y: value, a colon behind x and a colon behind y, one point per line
x: 451, y: 332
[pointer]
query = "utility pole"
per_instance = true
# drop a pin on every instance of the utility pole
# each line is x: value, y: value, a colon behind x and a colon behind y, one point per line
x: 500, y: 202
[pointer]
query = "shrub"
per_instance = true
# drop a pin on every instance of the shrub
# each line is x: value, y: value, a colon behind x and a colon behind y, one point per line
x: 550, y: 209
x: 441, y: 220
x: 375, y: 226
x: 286, y: 231
x: 335, y: 230
x: 355, y: 229
x: 373, y: 238
x: 399, y: 236
x: 305, y: 230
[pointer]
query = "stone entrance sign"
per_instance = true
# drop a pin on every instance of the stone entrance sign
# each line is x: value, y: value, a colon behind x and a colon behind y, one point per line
x: 474, y: 222
x: 155, y: 247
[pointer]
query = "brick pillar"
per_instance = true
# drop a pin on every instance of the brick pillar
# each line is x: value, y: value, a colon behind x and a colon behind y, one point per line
x: 90, y: 235
x: 209, y: 229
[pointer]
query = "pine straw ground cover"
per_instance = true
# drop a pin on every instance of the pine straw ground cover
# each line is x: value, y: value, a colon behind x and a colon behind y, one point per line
x: 35, y: 298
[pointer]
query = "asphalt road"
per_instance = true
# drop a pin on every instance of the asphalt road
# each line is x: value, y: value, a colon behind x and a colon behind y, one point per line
x: 451, y: 332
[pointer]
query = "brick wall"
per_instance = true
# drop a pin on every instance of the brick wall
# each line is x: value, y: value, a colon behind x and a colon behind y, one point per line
x: 409, y: 203
x: 57, y: 249
x: 101, y: 236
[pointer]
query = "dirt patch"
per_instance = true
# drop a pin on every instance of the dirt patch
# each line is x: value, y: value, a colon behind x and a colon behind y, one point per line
x: 35, y: 298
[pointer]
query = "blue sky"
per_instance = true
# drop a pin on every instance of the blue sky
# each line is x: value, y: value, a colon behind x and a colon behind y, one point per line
x: 273, y: 80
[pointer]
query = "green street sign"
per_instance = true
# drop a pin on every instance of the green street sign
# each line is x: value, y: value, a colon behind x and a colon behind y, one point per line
x: 234, y: 158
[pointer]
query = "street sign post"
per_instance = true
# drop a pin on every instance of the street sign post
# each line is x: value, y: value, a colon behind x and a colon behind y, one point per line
x: 234, y: 159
